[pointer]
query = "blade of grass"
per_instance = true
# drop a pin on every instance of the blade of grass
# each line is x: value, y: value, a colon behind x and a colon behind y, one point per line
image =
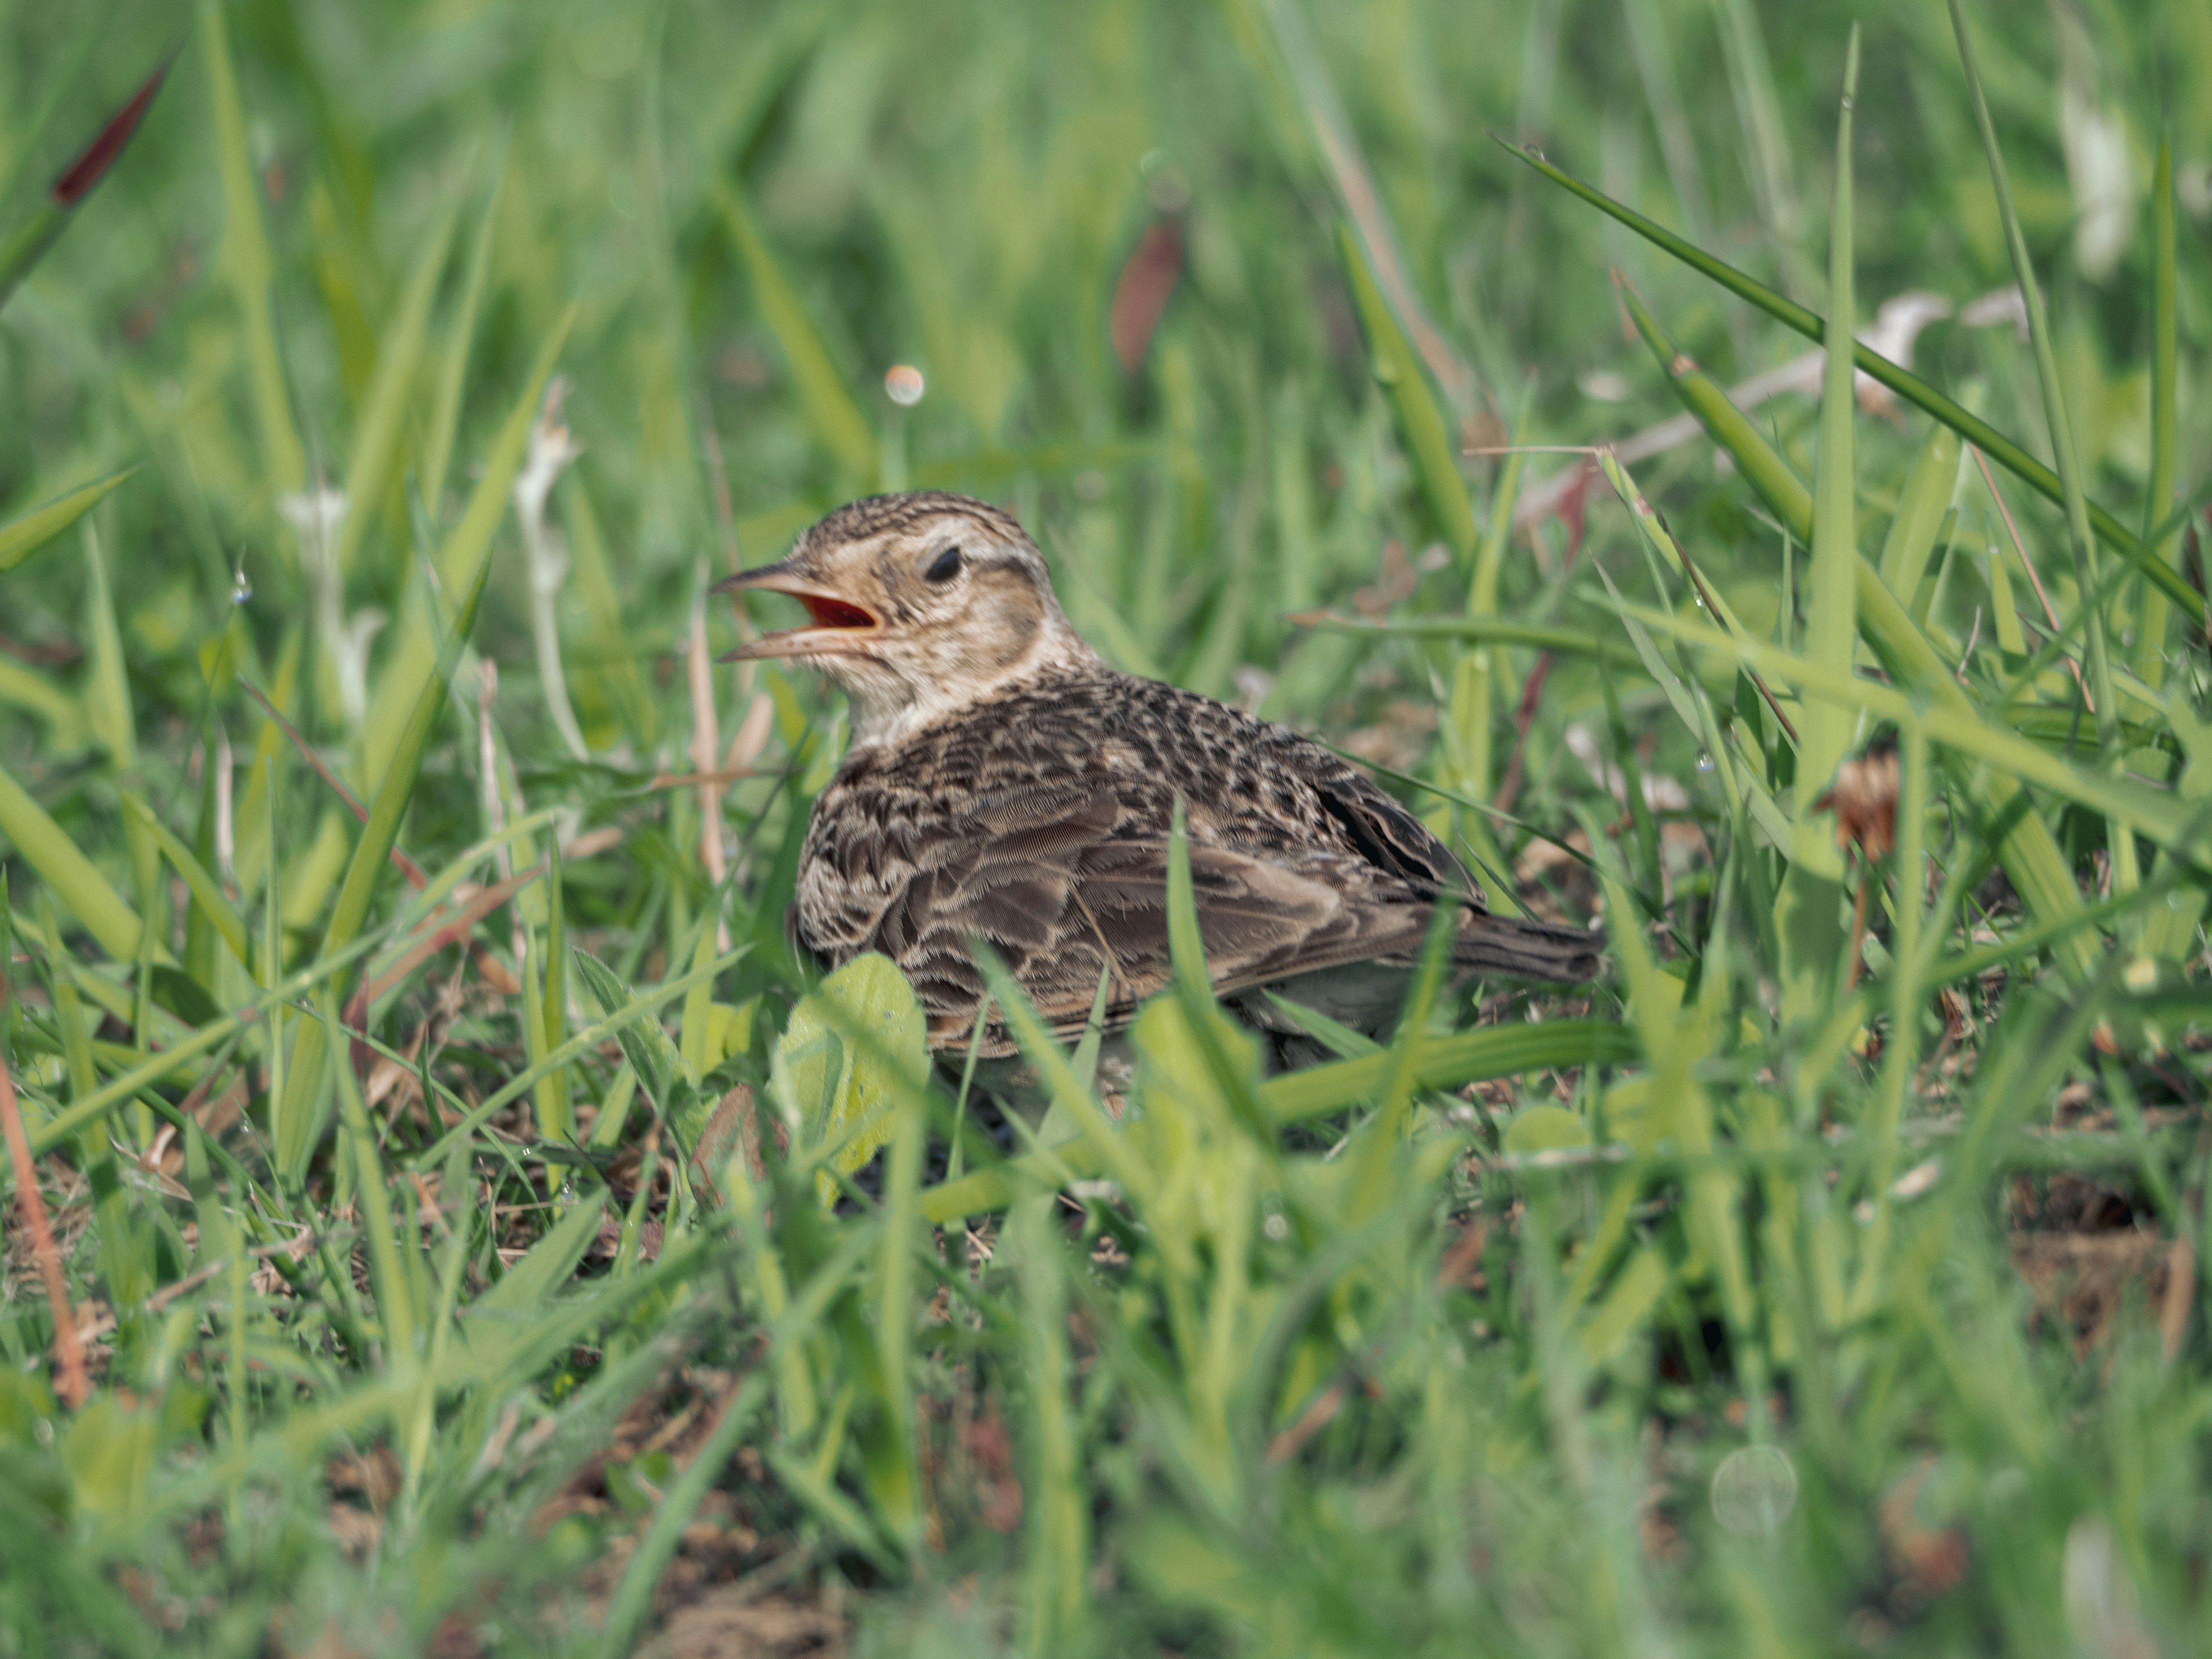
x: 1915, y: 391
x: 834, y: 419
x: 638, y: 1008
x: 245, y: 260
x: 71, y: 876
x: 1806, y: 920
x: 2079, y: 537
x: 2031, y: 856
x: 2165, y: 413
x: 58, y: 210
x: 294, y: 1128
x: 1920, y: 511
x: 461, y: 562
x: 206, y: 891
x: 453, y: 369
x: 22, y: 537
x: 390, y: 394
x: 1495, y: 629
x: 1420, y: 422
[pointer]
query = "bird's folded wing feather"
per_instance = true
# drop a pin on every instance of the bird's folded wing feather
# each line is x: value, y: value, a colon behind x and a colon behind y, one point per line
x: 1065, y: 884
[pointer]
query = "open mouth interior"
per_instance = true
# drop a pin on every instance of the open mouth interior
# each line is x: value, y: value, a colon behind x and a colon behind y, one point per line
x: 834, y: 613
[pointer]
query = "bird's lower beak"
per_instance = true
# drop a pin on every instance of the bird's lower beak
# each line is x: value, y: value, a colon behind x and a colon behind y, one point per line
x: 840, y: 625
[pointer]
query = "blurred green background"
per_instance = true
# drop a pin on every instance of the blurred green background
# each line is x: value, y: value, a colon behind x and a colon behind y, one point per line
x: 1630, y: 1409
x: 958, y: 188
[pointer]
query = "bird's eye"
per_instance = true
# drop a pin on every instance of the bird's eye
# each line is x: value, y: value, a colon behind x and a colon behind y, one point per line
x: 944, y: 568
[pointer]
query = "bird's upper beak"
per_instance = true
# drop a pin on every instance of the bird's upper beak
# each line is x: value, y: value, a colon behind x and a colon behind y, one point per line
x: 840, y: 625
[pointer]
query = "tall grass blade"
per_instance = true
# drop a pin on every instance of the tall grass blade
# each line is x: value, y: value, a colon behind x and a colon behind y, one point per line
x: 246, y: 262
x: 2071, y: 485
x: 461, y: 337
x: 42, y: 228
x: 1806, y: 919
x: 834, y: 419
x: 391, y: 393
x: 2031, y: 854
x: 462, y: 561
x: 2165, y: 411
x: 295, y: 1127
x: 22, y: 537
x: 1971, y: 426
x: 1420, y: 422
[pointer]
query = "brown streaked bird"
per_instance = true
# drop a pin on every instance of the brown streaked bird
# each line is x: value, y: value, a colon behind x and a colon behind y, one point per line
x: 1005, y: 785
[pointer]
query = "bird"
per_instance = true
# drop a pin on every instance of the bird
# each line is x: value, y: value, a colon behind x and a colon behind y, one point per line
x: 1004, y: 787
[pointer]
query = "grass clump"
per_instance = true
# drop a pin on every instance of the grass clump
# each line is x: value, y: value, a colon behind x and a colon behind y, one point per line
x: 442, y: 1216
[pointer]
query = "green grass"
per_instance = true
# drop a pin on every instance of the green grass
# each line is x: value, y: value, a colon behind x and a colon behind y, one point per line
x: 435, y: 1138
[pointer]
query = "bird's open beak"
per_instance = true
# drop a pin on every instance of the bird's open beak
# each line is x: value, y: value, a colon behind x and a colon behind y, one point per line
x: 840, y: 626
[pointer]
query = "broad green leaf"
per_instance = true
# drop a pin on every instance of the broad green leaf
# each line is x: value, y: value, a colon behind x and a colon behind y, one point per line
x: 835, y: 1091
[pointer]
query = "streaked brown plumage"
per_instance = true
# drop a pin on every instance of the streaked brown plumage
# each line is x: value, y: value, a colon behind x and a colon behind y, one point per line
x: 1004, y: 785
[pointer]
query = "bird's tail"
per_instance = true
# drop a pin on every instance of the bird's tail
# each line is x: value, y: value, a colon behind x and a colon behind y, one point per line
x: 1513, y: 948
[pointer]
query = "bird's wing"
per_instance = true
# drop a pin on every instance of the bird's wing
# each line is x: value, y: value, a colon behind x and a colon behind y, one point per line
x: 1065, y: 884
x: 1384, y: 832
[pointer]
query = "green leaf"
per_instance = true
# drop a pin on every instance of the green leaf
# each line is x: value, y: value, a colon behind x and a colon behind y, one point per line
x: 462, y: 561
x: 1920, y: 511
x: 1806, y: 918
x: 1971, y: 426
x: 245, y: 260
x: 391, y: 392
x: 834, y: 419
x: 654, y: 1060
x: 2165, y: 412
x: 839, y: 1092
x: 296, y: 1127
x: 1544, y: 1129
x: 2031, y: 856
x: 206, y: 891
x: 524, y: 1287
x: 2071, y: 494
x: 58, y: 205
x: 23, y: 537
x: 1399, y: 373
x: 70, y: 876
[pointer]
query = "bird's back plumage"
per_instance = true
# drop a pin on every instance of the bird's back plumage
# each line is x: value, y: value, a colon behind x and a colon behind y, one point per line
x: 1037, y: 820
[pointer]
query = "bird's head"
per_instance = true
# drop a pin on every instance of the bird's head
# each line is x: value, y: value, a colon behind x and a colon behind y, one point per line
x: 919, y: 604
